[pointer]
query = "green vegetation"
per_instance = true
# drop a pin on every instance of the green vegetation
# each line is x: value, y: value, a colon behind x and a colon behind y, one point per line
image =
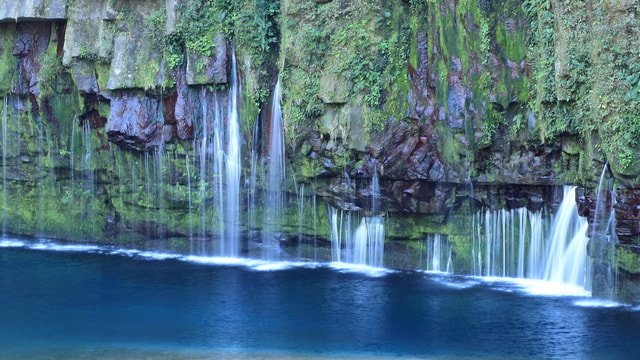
x: 584, y: 80
x: 8, y: 62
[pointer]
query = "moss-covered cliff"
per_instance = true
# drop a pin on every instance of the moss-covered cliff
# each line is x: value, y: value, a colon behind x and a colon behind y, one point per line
x: 109, y: 110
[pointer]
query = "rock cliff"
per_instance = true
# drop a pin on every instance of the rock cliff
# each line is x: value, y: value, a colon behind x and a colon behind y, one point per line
x: 110, y: 109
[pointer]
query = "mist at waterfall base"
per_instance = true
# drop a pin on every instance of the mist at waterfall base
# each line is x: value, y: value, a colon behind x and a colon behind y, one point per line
x: 84, y: 301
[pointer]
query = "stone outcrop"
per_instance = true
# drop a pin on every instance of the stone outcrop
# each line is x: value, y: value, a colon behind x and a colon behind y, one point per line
x: 26, y: 10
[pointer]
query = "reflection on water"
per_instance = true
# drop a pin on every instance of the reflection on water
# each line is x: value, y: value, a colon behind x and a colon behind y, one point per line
x: 106, y: 304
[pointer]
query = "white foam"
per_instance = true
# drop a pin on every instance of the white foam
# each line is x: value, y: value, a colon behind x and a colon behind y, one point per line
x: 450, y: 280
x: 126, y: 252
x: 272, y: 266
x: 361, y: 269
x: 145, y: 254
x: 253, y: 264
x: 435, y: 272
x: 549, y: 288
x: 158, y: 255
x: 60, y: 247
x: 597, y: 303
x: 217, y: 260
x: 11, y: 243
x: 459, y: 285
x: 535, y: 287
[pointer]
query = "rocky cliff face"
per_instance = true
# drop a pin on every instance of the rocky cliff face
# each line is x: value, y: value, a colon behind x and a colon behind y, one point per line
x: 110, y: 109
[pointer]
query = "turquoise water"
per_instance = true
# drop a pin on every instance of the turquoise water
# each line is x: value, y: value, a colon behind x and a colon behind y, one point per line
x: 87, y: 302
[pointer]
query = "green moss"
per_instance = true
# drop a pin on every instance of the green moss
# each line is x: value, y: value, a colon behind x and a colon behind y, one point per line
x: 628, y: 260
x: 8, y: 62
x: 583, y: 81
x: 45, y: 209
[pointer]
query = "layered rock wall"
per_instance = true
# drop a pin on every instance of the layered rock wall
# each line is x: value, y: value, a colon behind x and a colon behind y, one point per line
x: 455, y: 105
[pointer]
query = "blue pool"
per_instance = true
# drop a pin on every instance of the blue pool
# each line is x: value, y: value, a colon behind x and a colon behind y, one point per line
x: 61, y: 302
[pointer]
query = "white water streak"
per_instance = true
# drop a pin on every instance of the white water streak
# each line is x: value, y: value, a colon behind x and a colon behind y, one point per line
x: 513, y: 243
x: 275, y: 180
x: 4, y: 167
x: 363, y: 245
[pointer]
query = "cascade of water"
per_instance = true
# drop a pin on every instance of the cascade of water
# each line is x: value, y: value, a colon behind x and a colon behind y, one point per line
x: 42, y: 168
x: 522, y: 218
x: 506, y: 242
x: 4, y: 166
x: 134, y: 186
x: 601, y: 204
x: 88, y: 171
x: 438, y: 253
x: 231, y: 243
x: 300, y: 218
x: 363, y: 245
x: 603, y: 234
x: 536, y: 251
x: 189, y: 199
x: 88, y: 181
x: 149, y: 191
x: 566, y: 251
x: 203, y: 148
x: 368, y: 242
x: 515, y: 244
x: 315, y: 227
x: 252, y: 193
x: 72, y: 150
x: 158, y: 178
x: 612, y: 240
x: 336, y: 234
x: 375, y: 190
x: 219, y: 168
x: 219, y: 171
x: 476, y: 246
x: 275, y: 180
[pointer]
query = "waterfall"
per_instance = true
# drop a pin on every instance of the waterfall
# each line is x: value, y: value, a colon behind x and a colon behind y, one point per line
x: 231, y: 209
x: 500, y: 241
x: 88, y: 177
x: 535, y: 254
x: 300, y: 218
x: 219, y: 171
x: 275, y: 180
x: 375, y: 190
x: 514, y: 243
x: 315, y: 227
x: 438, y: 253
x: 203, y: 148
x: 227, y: 161
x: 603, y: 236
x: 363, y: 245
x: 252, y: 193
x: 158, y: 178
x: 72, y: 150
x: 189, y: 197
x: 567, y: 249
x: 219, y: 168
x: 4, y: 166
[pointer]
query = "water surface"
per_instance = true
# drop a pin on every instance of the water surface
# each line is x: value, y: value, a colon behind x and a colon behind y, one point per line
x: 86, y: 303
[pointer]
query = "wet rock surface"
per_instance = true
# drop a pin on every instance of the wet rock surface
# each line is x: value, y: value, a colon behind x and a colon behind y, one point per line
x: 447, y: 126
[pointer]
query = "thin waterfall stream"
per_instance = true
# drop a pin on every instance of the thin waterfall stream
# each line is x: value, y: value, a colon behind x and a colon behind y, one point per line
x: 275, y: 191
x: 364, y: 244
x: 231, y: 243
x: 4, y: 166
